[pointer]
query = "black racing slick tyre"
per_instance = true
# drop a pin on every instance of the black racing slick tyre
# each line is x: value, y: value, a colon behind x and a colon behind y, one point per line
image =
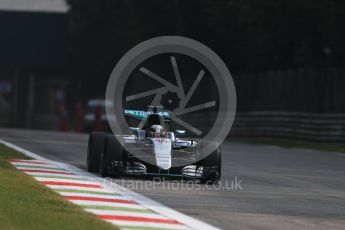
x: 94, y: 150
x: 112, y: 157
x: 212, y: 165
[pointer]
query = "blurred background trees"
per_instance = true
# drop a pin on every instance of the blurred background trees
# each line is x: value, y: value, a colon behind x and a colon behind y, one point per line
x: 56, y: 58
x: 250, y: 35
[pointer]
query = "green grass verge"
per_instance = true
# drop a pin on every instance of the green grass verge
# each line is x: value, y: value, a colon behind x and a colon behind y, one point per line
x: 26, y: 204
x: 293, y: 144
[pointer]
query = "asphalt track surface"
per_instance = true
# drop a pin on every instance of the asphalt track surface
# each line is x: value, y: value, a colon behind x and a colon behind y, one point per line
x: 279, y: 188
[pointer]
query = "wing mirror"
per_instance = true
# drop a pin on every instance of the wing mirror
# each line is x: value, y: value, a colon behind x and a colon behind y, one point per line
x: 134, y: 130
x: 137, y: 132
x: 141, y: 134
x: 180, y: 132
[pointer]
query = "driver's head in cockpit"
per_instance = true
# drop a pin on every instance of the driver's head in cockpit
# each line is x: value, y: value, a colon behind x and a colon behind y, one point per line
x: 156, y: 131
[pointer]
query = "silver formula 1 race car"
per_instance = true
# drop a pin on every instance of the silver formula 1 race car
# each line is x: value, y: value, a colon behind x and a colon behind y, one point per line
x: 163, y: 152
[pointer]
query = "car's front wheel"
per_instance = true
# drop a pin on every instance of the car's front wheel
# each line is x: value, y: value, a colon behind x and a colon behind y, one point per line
x: 112, y: 157
x: 212, y: 165
x: 94, y: 150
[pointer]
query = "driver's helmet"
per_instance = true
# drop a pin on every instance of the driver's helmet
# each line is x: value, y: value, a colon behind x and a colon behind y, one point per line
x: 156, y: 131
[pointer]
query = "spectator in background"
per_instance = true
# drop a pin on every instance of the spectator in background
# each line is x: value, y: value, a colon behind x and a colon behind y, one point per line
x: 63, y: 119
x: 79, y: 117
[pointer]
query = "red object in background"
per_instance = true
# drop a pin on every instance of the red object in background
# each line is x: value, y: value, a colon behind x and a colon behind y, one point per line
x: 63, y: 120
x: 98, y: 121
x: 79, y: 116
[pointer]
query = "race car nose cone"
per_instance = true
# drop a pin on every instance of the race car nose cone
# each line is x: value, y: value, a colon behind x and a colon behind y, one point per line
x: 165, y: 166
x: 162, y: 151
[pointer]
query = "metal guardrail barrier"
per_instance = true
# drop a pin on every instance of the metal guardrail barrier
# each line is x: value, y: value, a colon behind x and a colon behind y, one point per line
x: 295, y: 125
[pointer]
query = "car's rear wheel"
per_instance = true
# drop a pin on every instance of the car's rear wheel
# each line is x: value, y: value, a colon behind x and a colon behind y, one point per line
x: 94, y: 150
x: 112, y: 157
x: 212, y: 165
